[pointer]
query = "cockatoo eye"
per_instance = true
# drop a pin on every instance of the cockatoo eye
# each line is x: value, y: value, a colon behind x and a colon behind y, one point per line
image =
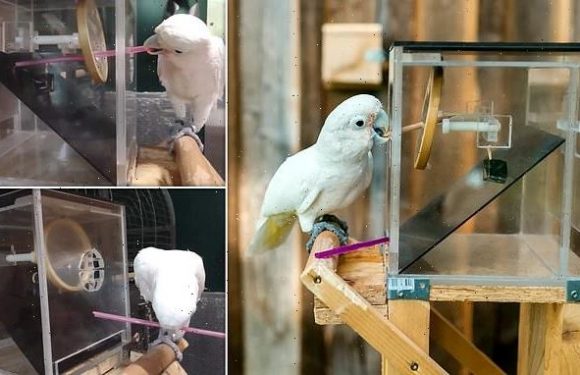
x: 358, y: 121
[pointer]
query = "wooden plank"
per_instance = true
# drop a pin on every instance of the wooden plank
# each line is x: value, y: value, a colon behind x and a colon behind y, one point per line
x: 412, y: 318
x: 401, y: 352
x: 345, y: 47
x: 540, y: 338
x: 539, y: 21
x: 460, y: 347
x: 312, y: 95
x: 269, y: 132
x: 313, y: 346
x: 235, y: 358
x: 488, y: 293
x: 570, y: 357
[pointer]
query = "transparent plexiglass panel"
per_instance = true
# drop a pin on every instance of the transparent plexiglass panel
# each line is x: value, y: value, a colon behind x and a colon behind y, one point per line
x: 61, y: 258
x: 20, y: 317
x: 482, y: 162
x: 84, y: 246
x: 67, y: 73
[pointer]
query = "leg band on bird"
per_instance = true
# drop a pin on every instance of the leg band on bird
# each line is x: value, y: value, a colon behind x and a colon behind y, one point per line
x: 183, y: 130
x: 329, y: 223
x: 166, y: 338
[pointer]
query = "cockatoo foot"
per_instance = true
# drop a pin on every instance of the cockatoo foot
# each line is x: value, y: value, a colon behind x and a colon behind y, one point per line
x: 328, y: 223
x: 181, y: 130
x: 165, y: 339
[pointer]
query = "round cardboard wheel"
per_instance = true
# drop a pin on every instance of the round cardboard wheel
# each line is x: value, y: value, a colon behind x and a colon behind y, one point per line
x: 66, y: 242
x: 92, y: 39
x: 430, y: 116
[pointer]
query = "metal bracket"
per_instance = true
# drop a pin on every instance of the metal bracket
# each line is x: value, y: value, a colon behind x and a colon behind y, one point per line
x: 573, y: 290
x: 408, y: 288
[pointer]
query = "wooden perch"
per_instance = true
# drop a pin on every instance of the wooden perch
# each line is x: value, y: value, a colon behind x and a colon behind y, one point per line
x: 193, y: 166
x: 156, y: 166
x: 156, y: 361
x: 320, y: 278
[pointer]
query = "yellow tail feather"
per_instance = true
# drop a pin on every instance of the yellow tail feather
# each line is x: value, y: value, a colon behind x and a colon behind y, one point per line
x: 271, y: 233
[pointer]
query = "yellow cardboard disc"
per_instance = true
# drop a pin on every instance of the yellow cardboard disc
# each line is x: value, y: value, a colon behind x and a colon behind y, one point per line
x: 430, y: 116
x: 92, y: 39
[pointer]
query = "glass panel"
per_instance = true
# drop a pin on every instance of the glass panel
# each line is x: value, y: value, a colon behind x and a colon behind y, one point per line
x: 85, y: 271
x: 21, y: 350
x: 60, y: 65
x: 492, y: 199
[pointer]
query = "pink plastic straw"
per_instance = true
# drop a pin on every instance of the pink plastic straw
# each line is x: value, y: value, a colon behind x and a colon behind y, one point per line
x: 124, y: 319
x: 68, y: 58
x: 350, y: 248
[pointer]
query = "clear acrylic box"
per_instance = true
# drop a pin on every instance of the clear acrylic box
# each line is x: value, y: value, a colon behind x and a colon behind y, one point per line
x: 482, y: 169
x: 71, y: 121
x: 46, y: 321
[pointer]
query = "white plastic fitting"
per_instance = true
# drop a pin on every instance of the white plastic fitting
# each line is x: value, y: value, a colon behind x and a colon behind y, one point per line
x: 455, y: 125
x: 69, y: 41
x: 26, y: 257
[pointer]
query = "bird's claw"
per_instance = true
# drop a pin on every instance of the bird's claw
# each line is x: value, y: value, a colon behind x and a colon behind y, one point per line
x: 328, y: 223
x: 167, y: 340
x: 181, y: 130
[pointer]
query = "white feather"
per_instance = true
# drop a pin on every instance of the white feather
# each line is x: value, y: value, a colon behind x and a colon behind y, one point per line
x: 191, y: 66
x: 330, y: 174
x: 172, y: 280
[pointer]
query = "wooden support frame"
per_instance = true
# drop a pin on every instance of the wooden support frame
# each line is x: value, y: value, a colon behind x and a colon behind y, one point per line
x: 402, y: 353
x: 400, y: 329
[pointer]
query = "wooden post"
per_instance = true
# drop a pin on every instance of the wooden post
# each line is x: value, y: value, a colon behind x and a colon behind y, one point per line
x: 235, y: 308
x: 412, y: 318
x: 540, y: 338
x: 155, y: 361
x: 269, y: 132
x: 194, y: 168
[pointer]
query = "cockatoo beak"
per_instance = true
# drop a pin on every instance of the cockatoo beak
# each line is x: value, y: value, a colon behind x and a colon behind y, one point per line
x: 153, y: 46
x: 381, y: 128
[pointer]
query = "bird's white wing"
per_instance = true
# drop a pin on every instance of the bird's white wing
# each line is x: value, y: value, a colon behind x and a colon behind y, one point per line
x: 293, y: 186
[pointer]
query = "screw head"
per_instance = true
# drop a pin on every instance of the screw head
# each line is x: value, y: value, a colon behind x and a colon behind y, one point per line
x: 400, y: 293
x: 317, y: 279
x: 414, y: 366
x: 574, y: 294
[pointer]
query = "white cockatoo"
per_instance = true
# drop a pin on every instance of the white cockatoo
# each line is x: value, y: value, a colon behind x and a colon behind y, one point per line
x: 326, y: 176
x: 172, y: 280
x: 190, y: 65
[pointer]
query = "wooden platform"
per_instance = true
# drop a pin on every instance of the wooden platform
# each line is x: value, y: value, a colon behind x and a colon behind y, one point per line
x: 351, y: 289
x: 366, y: 272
